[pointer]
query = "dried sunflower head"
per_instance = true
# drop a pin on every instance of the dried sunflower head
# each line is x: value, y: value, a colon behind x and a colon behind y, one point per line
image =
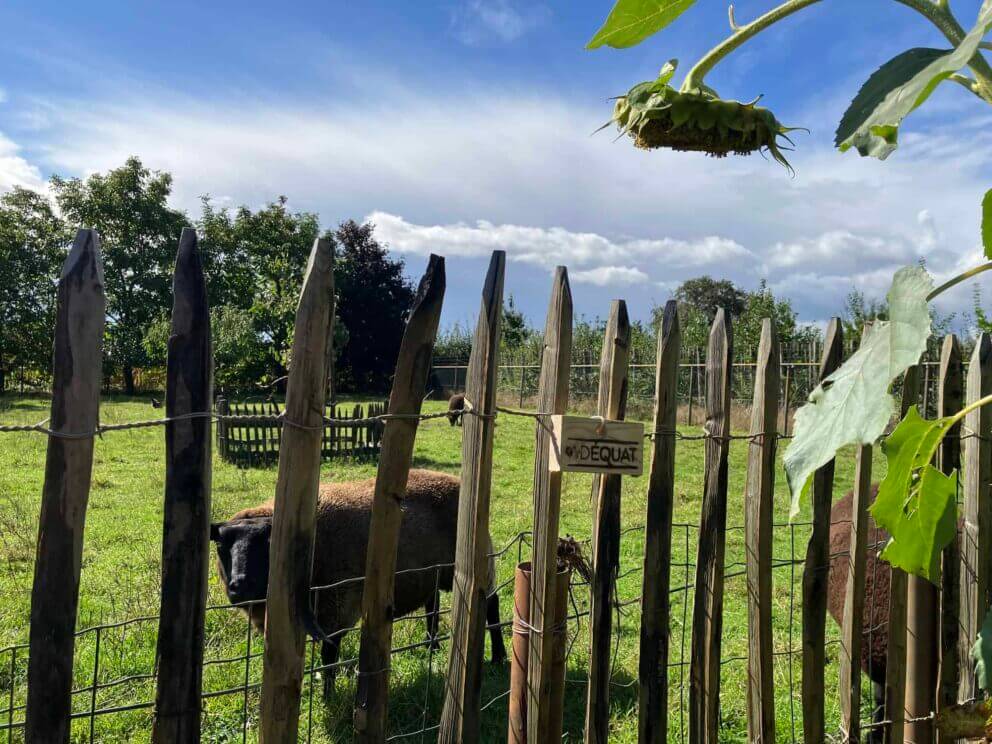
x: 657, y: 115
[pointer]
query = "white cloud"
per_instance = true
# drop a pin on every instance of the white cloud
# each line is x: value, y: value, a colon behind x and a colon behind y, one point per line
x: 476, y: 22
x: 610, y: 275
x: 462, y: 174
x: 549, y: 247
x: 3, y: 96
x: 842, y: 251
x: 15, y: 170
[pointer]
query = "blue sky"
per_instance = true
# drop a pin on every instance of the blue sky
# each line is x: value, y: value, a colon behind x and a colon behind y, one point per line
x: 463, y: 126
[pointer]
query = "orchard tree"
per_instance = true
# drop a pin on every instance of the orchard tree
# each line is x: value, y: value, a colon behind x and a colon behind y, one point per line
x: 33, y: 241
x: 139, y: 232
x: 514, y: 330
x: 758, y: 305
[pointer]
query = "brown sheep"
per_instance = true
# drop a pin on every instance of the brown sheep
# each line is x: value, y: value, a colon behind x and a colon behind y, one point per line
x: 344, y: 511
x: 456, y: 408
x: 877, y: 574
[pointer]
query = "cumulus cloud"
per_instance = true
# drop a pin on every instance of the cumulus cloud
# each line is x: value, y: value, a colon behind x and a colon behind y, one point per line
x: 841, y: 251
x: 553, y: 246
x: 492, y: 177
x: 15, y: 170
x: 604, y: 276
x: 484, y: 21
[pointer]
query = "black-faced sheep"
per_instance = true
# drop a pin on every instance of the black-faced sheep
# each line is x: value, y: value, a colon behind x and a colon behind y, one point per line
x: 344, y: 510
x: 456, y: 408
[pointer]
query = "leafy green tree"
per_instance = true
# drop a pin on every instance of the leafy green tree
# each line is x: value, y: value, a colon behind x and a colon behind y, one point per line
x: 514, y: 329
x: 374, y: 298
x: 708, y: 295
x: 32, y: 245
x: 759, y: 305
x: 236, y: 344
x: 139, y: 233
x: 254, y: 262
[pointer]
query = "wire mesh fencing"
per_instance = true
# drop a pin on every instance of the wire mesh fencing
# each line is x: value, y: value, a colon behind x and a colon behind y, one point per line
x: 114, y: 689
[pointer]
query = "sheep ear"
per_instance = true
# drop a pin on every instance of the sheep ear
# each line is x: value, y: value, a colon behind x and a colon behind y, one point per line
x: 215, y: 531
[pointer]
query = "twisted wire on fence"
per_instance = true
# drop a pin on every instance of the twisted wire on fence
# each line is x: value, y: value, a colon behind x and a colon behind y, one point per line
x: 95, y: 688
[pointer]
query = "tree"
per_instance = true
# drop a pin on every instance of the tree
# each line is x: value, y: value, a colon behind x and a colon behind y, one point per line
x: 373, y: 301
x: 759, y: 305
x: 708, y: 295
x: 514, y: 330
x: 700, y: 297
x: 139, y: 233
x: 32, y: 245
x: 254, y: 262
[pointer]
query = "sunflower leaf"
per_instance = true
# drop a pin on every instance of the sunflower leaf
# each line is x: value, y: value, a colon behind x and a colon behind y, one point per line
x: 916, y: 502
x: 853, y: 405
x: 632, y: 21
x: 871, y: 122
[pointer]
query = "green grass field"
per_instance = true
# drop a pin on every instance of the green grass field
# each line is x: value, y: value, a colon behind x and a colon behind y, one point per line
x: 121, y: 581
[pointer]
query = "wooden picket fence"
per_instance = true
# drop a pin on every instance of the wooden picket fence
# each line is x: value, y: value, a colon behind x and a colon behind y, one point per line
x: 928, y: 666
x: 249, y: 434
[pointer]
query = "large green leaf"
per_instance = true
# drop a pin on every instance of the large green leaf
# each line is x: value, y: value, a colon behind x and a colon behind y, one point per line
x: 987, y: 223
x: 853, y: 405
x: 871, y: 123
x: 916, y: 502
x: 632, y: 21
x: 981, y: 652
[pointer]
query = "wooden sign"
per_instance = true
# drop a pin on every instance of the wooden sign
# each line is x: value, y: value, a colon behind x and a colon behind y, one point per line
x: 592, y: 445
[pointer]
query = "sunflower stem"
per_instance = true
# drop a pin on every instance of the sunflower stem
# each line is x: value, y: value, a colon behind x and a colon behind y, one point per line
x: 938, y: 13
x: 742, y: 33
x: 964, y: 276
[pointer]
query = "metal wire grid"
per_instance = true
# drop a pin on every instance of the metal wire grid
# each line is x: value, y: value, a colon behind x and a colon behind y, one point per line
x: 98, y: 698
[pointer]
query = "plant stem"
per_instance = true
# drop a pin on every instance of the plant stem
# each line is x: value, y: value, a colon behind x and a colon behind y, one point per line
x: 973, y: 271
x: 938, y: 14
x: 969, y: 408
x: 742, y: 34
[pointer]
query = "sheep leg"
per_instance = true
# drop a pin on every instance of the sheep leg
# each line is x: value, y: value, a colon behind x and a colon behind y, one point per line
x: 495, y: 631
x: 329, y: 652
x: 433, y: 609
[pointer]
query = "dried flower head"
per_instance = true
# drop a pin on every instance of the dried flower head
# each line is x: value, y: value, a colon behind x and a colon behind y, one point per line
x: 657, y: 115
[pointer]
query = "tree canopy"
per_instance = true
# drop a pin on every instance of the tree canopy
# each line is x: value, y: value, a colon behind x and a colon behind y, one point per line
x: 138, y: 230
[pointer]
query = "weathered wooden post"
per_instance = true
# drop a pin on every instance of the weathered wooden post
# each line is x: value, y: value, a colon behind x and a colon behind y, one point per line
x: 758, y: 516
x: 186, y: 528
x: 895, y: 654
x: 707, y: 615
x: 293, y: 518
x: 976, y: 537
x: 612, y: 405
x: 76, y: 373
x: 950, y: 400
x: 652, y: 710
x: 413, y: 366
x: 817, y: 567
x: 854, y: 602
x: 463, y: 684
x: 552, y: 398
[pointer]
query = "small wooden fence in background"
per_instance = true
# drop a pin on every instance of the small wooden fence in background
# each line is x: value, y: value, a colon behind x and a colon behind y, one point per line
x: 249, y: 435
x: 928, y: 668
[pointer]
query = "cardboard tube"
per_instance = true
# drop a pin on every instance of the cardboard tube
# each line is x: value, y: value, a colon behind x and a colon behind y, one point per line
x: 517, y: 728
